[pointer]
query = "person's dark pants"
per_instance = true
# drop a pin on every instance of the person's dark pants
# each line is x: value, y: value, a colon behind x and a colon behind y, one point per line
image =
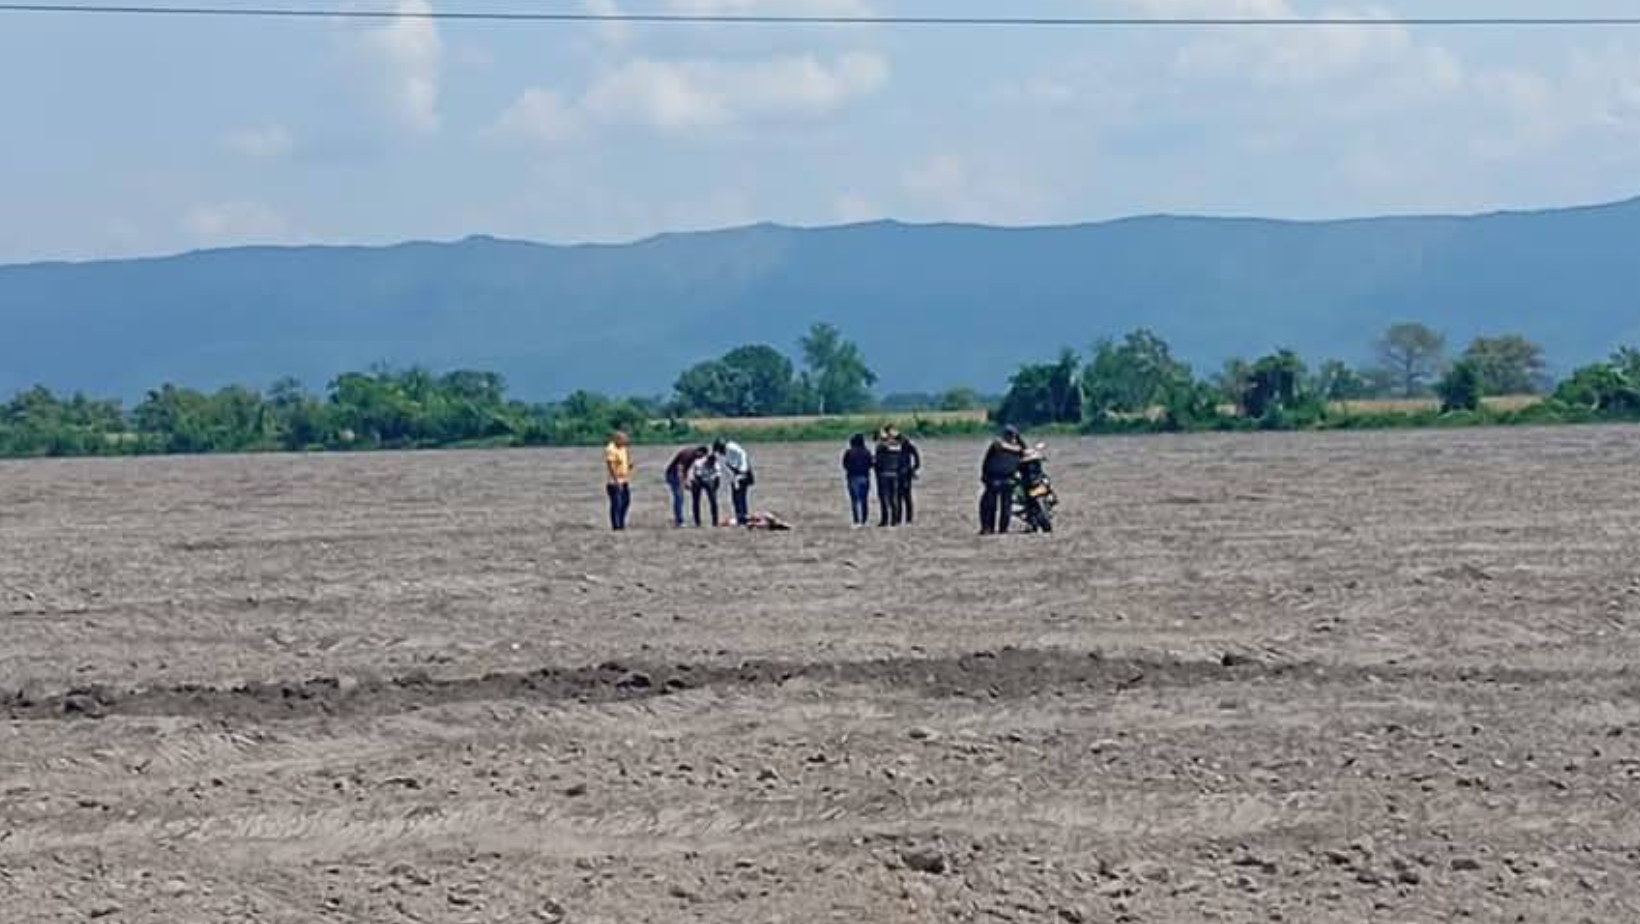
x: 996, y: 506
x: 676, y: 484
x: 859, y: 498
x: 908, y: 503
x: 620, y: 501
x: 888, y: 498
x: 741, y: 496
x: 711, y: 495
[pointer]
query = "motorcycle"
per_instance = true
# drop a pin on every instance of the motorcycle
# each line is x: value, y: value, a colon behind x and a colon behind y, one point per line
x: 1034, y: 497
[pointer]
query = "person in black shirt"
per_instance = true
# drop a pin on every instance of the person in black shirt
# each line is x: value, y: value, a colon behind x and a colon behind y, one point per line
x: 857, y: 467
x: 910, y: 466
x: 996, y: 505
x: 889, y: 458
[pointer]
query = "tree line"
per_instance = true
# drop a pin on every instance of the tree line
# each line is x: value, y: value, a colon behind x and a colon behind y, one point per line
x: 416, y: 408
x: 1137, y: 383
x: 1134, y: 383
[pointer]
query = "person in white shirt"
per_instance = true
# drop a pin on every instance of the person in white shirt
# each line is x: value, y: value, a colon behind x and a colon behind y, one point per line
x: 704, y: 476
x: 737, y: 465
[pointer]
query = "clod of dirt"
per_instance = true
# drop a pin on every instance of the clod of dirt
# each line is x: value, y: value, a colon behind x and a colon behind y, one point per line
x: 682, y: 893
x: 768, y: 775
x: 86, y: 704
x: 920, y: 733
x: 1466, y: 864
x: 174, y: 888
x: 927, y: 860
x: 103, y: 909
x: 575, y: 790
x: 550, y: 912
x: 636, y: 680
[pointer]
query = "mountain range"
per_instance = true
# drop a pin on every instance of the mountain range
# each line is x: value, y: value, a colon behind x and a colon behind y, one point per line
x: 932, y: 306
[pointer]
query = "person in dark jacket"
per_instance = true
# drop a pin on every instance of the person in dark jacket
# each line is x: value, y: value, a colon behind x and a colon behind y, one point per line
x: 1001, y: 463
x: 857, y: 468
x: 889, y: 458
x: 910, y: 467
x: 677, y: 478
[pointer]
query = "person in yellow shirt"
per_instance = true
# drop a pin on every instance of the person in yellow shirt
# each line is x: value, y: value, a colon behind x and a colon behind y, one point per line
x: 618, y: 466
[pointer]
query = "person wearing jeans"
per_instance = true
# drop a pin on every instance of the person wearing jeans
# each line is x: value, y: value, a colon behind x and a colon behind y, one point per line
x: 618, y: 468
x: 677, y: 478
x: 857, y: 468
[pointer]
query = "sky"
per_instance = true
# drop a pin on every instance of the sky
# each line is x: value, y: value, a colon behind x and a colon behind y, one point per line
x: 127, y: 136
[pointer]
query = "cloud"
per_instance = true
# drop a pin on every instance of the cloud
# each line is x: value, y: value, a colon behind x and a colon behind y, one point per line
x: 615, y: 34
x: 682, y: 96
x: 267, y: 142
x: 672, y: 95
x: 234, y: 222
x: 540, y: 117
x: 409, y: 54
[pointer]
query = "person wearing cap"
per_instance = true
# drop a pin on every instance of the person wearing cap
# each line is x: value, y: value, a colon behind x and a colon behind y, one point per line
x: 738, y: 467
x: 618, y: 468
x: 889, y: 458
x: 997, y: 471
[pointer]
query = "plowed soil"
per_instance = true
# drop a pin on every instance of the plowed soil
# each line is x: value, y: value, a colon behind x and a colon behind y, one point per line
x: 1303, y: 678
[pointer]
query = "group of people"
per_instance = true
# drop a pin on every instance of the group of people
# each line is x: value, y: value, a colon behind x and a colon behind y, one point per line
x: 895, y: 463
x: 698, y: 473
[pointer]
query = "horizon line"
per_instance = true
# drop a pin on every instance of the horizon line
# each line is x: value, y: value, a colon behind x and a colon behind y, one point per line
x: 772, y: 224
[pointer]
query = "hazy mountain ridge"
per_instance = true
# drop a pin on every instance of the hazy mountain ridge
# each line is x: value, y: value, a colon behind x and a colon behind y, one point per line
x: 933, y: 305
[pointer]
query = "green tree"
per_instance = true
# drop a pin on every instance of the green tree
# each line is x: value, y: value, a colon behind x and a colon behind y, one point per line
x: 1274, y: 385
x: 1461, y: 388
x: 1409, y: 357
x: 1044, y: 394
x: 769, y: 383
x: 837, y: 380
x: 1611, y: 388
x: 960, y: 399
x: 1336, y: 381
x: 713, y: 389
x: 1508, y: 365
x: 1133, y: 376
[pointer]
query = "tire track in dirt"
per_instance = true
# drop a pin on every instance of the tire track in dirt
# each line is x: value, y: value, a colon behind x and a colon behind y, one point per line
x: 1005, y: 674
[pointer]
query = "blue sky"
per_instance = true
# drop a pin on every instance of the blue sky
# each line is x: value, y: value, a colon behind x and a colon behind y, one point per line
x: 139, y: 136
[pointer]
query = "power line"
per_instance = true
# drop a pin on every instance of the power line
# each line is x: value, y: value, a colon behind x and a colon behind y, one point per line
x: 519, y: 16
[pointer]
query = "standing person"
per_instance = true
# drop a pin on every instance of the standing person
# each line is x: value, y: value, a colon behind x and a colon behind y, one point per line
x: 618, y: 466
x: 705, y: 473
x: 677, y: 478
x: 857, y: 467
x: 910, y: 468
x: 996, y: 505
x: 737, y: 466
x: 889, y: 459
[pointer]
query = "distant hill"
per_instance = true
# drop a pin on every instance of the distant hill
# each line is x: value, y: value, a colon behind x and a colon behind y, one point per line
x: 933, y: 305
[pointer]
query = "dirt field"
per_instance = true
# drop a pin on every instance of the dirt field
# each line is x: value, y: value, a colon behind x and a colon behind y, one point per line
x: 1348, y: 677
